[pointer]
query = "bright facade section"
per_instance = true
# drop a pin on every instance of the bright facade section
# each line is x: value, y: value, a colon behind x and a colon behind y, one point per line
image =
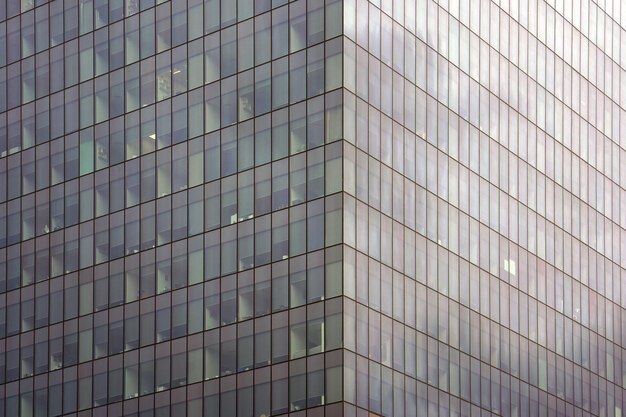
x: 314, y: 208
x: 485, y: 207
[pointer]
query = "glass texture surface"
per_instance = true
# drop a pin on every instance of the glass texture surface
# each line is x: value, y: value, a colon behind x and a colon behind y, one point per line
x: 321, y: 208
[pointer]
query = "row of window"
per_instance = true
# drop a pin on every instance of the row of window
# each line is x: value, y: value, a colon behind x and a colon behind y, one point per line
x: 595, y: 20
x: 421, y: 113
x: 451, y: 371
x: 399, y: 115
x: 387, y: 392
x: 232, y: 298
x: 538, y: 287
x: 307, y: 124
x: 170, y: 72
x: 393, y: 344
x: 434, y: 374
x: 140, y: 281
x: 209, y: 65
x: 466, y: 189
x: 251, y: 344
x: 397, y: 151
x: 488, y: 255
x: 454, y: 147
x: 203, y: 208
x: 286, y: 182
x: 313, y: 277
x: 283, y: 387
x: 463, y: 188
x: 167, y: 25
x: 512, y: 35
x: 441, y: 222
x: 442, y: 271
x: 237, y: 247
x: 464, y: 95
x: 237, y: 98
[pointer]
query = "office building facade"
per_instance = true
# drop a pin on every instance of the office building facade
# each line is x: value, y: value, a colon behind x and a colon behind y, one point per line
x: 312, y: 208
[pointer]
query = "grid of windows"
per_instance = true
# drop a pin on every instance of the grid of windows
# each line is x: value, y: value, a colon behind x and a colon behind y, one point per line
x: 170, y: 207
x: 312, y: 207
x: 484, y: 207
